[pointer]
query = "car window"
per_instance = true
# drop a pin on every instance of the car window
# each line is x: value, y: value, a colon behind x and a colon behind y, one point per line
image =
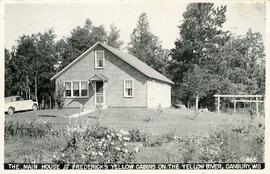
x: 18, y: 99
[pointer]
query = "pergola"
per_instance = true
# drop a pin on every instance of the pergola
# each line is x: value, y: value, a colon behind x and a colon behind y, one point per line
x: 252, y: 99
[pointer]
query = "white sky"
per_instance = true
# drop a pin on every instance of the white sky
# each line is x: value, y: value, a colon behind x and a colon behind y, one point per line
x: 163, y: 17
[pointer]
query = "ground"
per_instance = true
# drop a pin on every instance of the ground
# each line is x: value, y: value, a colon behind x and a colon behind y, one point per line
x: 182, y: 122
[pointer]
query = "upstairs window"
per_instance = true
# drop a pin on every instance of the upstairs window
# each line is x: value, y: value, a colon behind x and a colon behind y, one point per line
x: 99, y: 59
x: 68, y: 89
x: 128, y: 88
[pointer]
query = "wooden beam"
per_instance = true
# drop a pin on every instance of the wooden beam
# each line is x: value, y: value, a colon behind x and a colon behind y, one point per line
x: 257, y: 107
x: 218, y: 95
x: 234, y: 106
x: 248, y: 101
x: 218, y: 103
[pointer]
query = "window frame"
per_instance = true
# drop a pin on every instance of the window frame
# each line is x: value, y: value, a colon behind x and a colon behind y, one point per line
x: 70, y: 89
x: 132, y: 87
x: 87, y: 89
x: 103, y: 59
x: 80, y: 88
x: 74, y: 89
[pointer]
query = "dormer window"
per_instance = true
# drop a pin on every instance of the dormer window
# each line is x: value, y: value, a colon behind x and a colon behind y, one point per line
x: 99, y: 59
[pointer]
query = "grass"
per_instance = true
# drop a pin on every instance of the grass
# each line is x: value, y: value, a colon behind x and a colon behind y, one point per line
x: 59, y: 118
x: 182, y: 123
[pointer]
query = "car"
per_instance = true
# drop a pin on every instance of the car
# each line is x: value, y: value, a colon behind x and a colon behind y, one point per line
x: 18, y: 103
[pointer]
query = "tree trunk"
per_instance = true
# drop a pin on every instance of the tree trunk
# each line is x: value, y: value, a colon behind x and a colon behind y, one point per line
x: 50, y: 102
x: 36, y: 91
x: 197, y: 102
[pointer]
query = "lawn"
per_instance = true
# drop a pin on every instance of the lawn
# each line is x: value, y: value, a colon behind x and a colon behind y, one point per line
x: 176, y: 122
x: 59, y: 118
x: 182, y: 122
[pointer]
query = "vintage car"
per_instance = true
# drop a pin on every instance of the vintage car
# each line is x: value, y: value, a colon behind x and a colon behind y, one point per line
x: 17, y: 103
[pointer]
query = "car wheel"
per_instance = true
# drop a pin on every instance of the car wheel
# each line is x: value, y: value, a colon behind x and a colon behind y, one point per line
x: 34, y: 107
x: 10, y: 110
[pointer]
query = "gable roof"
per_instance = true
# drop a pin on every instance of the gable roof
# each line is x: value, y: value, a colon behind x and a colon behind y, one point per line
x: 130, y: 59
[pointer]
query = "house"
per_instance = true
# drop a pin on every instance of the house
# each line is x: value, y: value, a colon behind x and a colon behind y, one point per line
x: 105, y: 75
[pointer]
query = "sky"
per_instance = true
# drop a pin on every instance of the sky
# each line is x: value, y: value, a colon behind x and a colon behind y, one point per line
x: 163, y: 18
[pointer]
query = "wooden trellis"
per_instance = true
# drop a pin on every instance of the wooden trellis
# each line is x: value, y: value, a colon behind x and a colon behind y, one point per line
x: 235, y: 100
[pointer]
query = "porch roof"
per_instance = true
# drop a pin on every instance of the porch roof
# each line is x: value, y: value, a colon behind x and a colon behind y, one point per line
x: 98, y: 77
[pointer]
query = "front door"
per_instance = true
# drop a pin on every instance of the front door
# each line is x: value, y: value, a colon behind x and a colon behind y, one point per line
x: 99, y: 99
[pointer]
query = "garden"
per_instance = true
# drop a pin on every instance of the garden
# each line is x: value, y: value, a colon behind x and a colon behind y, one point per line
x: 116, y: 135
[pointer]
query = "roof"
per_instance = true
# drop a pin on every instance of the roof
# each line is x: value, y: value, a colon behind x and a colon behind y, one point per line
x: 130, y: 59
x: 98, y: 77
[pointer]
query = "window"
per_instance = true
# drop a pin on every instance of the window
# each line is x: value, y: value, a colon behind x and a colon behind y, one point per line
x: 76, y: 89
x: 68, y: 89
x: 99, y: 59
x: 84, y: 89
x: 128, y: 88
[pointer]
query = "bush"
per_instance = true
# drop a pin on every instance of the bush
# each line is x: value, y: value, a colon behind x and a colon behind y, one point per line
x: 227, y: 144
x: 59, y: 95
x: 94, y: 144
x: 30, y: 129
x: 137, y: 135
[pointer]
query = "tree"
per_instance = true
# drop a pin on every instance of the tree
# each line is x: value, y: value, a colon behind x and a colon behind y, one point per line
x: 113, y: 37
x: 43, y: 64
x: 146, y: 46
x: 194, y: 53
x: 32, y: 64
x: 82, y: 38
x: 19, y: 64
x: 241, y: 63
x: 8, y: 76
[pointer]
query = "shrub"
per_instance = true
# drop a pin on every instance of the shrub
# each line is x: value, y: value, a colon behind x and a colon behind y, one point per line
x: 94, y: 144
x: 99, y: 108
x: 226, y: 144
x: 59, y: 95
x: 30, y: 129
x: 137, y: 135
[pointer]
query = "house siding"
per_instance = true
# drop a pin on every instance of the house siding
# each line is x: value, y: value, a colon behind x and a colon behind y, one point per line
x: 158, y: 93
x: 116, y: 70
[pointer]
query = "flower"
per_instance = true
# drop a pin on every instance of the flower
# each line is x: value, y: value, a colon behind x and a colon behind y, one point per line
x: 124, y: 132
x: 126, y: 138
x: 117, y: 148
x: 136, y: 149
x: 125, y: 150
x: 100, y: 153
x: 94, y: 153
x: 125, y: 144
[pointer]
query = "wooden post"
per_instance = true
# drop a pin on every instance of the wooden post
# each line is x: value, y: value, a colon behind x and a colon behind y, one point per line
x: 50, y: 102
x: 218, y: 103
x: 257, y: 107
x: 234, y: 106
x: 197, y: 102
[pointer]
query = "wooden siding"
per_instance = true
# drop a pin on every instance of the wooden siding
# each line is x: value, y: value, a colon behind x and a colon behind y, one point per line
x: 158, y: 93
x: 116, y: 70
